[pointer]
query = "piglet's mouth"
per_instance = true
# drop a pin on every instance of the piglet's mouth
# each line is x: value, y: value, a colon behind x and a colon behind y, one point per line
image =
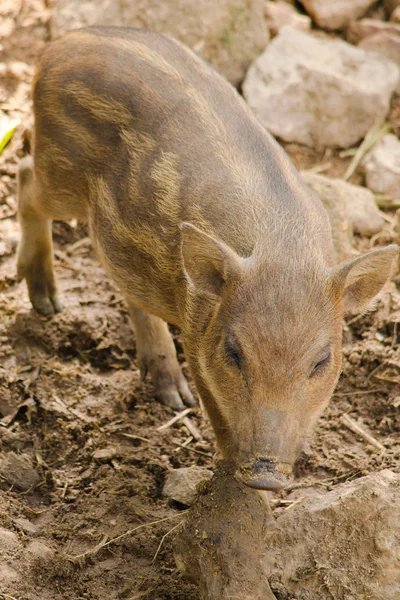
x: 265, y: 474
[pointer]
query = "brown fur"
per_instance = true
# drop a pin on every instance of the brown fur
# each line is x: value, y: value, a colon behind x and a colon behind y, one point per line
x: 139, y: 137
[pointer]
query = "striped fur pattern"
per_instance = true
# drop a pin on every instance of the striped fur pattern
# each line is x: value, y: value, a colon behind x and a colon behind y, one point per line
x: 137, y: 136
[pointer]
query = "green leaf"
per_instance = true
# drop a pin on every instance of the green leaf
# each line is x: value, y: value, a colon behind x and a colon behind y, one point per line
x: 7, y: 130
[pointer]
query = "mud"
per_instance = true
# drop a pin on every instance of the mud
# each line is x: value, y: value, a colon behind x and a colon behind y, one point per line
x: 220, y: 544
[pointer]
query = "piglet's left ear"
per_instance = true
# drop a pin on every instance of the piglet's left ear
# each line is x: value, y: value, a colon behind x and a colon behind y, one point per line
x: 363, y: 277
x: 208, y: 263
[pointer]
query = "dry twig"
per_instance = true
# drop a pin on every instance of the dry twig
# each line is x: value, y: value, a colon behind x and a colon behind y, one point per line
x: 64, y: 492
x: 104, y: 543
x: 295, y: 502
x: 69, y: 409
x: 384, y: 202
x: 83, y: 243
x: 377, y: 131
x: 193, y: 450
x: 66, y: 263
x: 358, y: 393
x: 184, y: 444
x: 394, y: 338
x: 177, y: 417
x: 162, y: 540
x: 317, y: 169
x: 323, y: 482
x: 132, y: 437
x: 192, y: 429
x: 348, y: 422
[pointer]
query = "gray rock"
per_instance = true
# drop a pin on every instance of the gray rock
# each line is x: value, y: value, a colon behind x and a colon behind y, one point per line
x: 335, y: 204
x: 8, y: 576
x: 9, y: 541
x: 382, y: 167
x: 364, y: 213
x: 17, y: 470
x: 278, y: 14
x: 26, y: 526
x: 181, y: 485
x: 347, y: 202
x: 344, y: 544
x: 332, y: 15
x: 228, y: 33
x: 38, y: 551
x: 358, y: 30
x: 317, y: 91
x: 106, y: 454
x: 390, y: 6
x: 385, y: 43
x: 395, y: 16
x: 10, y: 552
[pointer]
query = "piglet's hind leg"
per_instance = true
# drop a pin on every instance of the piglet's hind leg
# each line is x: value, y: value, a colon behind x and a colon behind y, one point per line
x: 35, y: 255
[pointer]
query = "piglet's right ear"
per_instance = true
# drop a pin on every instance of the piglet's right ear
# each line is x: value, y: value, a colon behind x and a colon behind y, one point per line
x: 208, y: 263
x: 363, y: 277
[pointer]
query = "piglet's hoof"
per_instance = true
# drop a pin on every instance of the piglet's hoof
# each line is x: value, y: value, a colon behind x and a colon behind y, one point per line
x: 46, y: 305
x: 171, y: 389
x: 219, y: 547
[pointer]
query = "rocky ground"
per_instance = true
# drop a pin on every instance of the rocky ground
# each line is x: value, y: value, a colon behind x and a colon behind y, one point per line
x: 82, y: 460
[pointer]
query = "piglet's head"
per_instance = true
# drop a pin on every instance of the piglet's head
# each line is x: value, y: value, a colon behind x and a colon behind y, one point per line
x: 263, y: 338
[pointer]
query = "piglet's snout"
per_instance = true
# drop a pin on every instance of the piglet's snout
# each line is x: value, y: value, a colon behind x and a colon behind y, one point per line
x: 264, y: 473
x: 266, y: 462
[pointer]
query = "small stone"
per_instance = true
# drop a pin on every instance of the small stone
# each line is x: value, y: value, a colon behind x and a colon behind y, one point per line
x: 181, y: 485
x: 382, y: 167
x: 317, y: 91
x: 106, y: 454
x: 362, y: 209
x: 336, y: 207
x: 37, y: 550
x: 17, y: 469
x: 307, y: 452
x: 27, y: 526
x: 278, y: 14
x: 332, y: 15
x: 8, y: 576
x: 395, y: 16
x: 391, y: 6
x: 354, y: 358
x: 386, y: 43
x: 358, y: 30
x: 350, y: 208
x: 9, y: 542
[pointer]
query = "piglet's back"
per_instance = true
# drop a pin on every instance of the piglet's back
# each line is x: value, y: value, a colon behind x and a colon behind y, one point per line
x: 169, y: 136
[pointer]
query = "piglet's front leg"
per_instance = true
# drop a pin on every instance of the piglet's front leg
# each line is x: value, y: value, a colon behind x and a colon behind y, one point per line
x: 157, y: 356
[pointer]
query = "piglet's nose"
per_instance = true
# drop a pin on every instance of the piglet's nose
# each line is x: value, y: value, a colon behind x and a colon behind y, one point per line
x: 265, y: 463
x: 265, y: 474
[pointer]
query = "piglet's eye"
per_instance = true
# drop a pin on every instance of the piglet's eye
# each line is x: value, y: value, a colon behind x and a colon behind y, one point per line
x: 319, y: 366
x: 233, y: 353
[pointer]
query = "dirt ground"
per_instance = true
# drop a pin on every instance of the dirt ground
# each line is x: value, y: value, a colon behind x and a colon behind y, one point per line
x: 72, y: 403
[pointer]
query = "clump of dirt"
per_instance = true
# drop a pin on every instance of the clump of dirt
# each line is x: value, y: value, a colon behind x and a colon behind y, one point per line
x: 220, y: 544
x: 92, y: 523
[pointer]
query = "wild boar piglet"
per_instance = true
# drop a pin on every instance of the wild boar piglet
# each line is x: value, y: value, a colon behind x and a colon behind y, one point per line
x: 202, y: 221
